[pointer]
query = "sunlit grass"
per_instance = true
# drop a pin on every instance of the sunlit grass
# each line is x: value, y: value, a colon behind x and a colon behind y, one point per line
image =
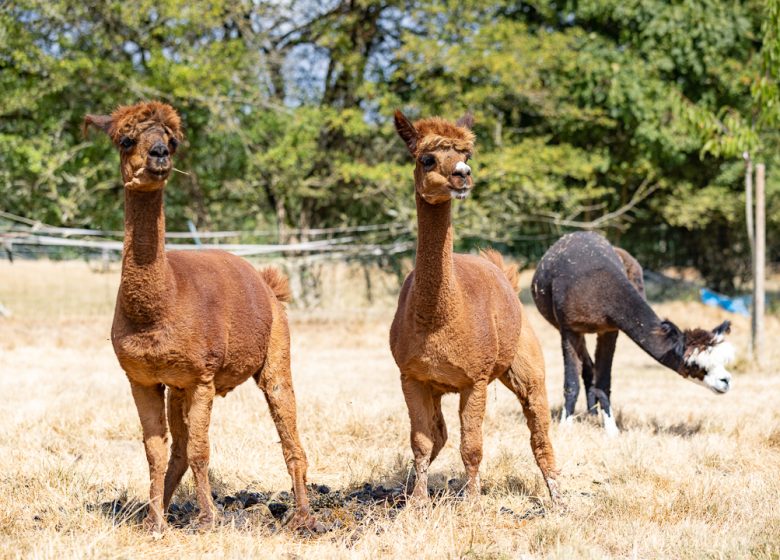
x: 692, y: 475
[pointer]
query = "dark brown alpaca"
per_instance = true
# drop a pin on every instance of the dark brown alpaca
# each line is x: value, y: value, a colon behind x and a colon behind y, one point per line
x: 584, y: 285
x: 459, y: 324
x: 199, y: 323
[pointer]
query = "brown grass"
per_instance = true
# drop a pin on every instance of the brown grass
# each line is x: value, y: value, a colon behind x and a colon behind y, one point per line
x: 692, y: 475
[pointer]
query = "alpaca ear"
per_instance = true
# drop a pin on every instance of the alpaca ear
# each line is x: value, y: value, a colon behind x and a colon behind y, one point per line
x: 466, y: 121
x: 669, y: 329
x: 723, y: 329
x: 102, y: 122
x: 406, y: 131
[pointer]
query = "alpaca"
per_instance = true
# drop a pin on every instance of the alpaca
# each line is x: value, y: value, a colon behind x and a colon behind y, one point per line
x: 459, y: 324
x: 584, y: 285
x: 199, y: 323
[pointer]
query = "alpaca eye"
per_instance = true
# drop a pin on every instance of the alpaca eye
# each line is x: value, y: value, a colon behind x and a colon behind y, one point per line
x: 468, y: 157
x: 126, y: 142
x: 428, y: 161
x: 173, y: 143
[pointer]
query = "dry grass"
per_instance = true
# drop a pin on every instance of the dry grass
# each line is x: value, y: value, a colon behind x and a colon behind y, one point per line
x: 692, y: 475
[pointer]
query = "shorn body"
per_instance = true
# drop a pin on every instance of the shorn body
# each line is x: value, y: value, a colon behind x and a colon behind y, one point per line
x: 459, y: 324
x: 584, y: 285
x: 197, y: 323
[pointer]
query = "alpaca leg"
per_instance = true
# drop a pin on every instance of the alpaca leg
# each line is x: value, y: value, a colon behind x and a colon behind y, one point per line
x: 419, y: 402
x: 275, y: 380
x: 150, y: 402
x: 525, y: 379
x: 439, y: 427
x: 587, y: 378
x: 178, y: 464
x: 605, y: 351
x: 472, y: 414
x: 199, y: 401
x: 572, y: 366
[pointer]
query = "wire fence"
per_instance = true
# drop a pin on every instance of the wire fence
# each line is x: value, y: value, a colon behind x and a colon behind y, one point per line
x: 22, y: 237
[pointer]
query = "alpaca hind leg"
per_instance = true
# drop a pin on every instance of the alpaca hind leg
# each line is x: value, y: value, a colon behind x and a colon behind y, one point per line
x: 178, y: 464
x: 150, y: 402
x: 472, y: 414
x: 605, y: 351
x: 199, y: 401
x: 275, y: 380
x: 571, y: 343
x: 525, y: 379
x: 419, y: 402
x: 439, y: 427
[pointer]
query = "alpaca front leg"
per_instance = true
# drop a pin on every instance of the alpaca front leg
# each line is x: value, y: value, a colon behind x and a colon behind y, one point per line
x: 605, y: 351
x: 419, y: 402
x: 150, y: 402
x: 572, y: 366
x: 177, y: 423
x: 472, y: 414
x: 199, y: 402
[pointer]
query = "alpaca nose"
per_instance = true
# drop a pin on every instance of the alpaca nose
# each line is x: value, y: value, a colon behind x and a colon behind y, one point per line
x: 159, y: 150
x: 462, y: 170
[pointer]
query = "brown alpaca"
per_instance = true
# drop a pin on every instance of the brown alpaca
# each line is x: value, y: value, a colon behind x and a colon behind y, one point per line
x: 199, y: 323
x: 459, y: 324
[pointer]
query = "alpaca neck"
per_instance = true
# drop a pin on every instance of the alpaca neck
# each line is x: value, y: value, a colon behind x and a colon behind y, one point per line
x: 146, y: 287
x: 643, y: 326
x: 434, y: 286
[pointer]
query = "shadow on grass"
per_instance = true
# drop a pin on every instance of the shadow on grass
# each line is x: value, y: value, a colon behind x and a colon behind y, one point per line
x: 354, y: 510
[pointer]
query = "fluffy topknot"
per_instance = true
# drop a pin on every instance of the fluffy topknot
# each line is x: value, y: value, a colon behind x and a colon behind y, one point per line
x: 130, y: 120
x: 437, y: 133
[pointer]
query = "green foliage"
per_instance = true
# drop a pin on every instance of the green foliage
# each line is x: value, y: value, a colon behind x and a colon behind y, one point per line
x: 582, y: 109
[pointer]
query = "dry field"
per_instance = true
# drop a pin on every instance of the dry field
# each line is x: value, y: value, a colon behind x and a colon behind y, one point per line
x: 693, y: 475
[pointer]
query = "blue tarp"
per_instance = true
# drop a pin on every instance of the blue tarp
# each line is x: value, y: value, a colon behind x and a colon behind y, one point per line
x: 739, y: 304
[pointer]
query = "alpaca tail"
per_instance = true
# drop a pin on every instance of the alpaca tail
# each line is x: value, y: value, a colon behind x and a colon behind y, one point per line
x: 510, y: 270
x: 278, y: 283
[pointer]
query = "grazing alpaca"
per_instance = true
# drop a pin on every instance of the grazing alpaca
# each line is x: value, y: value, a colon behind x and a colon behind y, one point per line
x: 199, y: 323
x: 459, y: 324
x: 584, y: 285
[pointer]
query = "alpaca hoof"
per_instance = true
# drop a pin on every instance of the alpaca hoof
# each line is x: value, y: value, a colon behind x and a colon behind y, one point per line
x: 473, y: 490
x: 418, y: 499
x: 305, y: 522
x: 154, y: 526
x: 610, y: 426
x: 555, y: 493
x: 204, y: 523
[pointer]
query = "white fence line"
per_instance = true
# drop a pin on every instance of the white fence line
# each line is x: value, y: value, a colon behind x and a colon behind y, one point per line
x: 32, y: 226
x: 385, y: 241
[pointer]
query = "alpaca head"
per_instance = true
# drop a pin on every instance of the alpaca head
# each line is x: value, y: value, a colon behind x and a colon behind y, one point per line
x: 705, y: 354
x: 146, y: 135
x: 441, y: 150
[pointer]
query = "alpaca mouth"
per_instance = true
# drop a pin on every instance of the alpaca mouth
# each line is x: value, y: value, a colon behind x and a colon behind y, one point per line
x: 158, y: 173
x: 459, y: 194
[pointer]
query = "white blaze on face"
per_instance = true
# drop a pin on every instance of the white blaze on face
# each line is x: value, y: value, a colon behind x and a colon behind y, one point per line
x: 462, y: 168
x: 714, y: 360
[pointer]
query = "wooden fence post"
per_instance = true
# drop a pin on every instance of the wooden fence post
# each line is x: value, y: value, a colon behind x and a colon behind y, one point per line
x: 759, y: 265
x: 751, y: 235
